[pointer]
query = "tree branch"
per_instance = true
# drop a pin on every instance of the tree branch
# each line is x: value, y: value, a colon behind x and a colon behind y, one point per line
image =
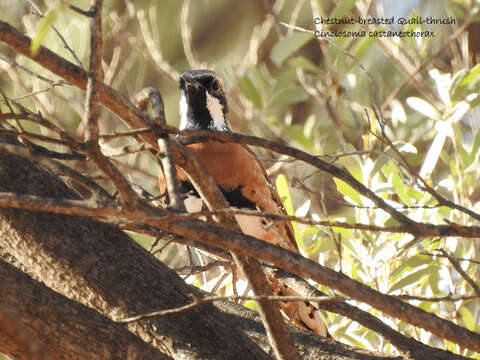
x: 65, y: 328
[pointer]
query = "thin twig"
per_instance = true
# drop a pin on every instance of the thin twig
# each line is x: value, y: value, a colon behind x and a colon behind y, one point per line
x: 428, y: 231
x: 153, y: 96
x: 456, y: 258
x: 462, y: 272
x: 30, y: 72
x: 108, y: 137
x: 198, y: 302
x: 59, y: 168
x: 453, y: 297
x: 190, y: 270
x: 92, y: 113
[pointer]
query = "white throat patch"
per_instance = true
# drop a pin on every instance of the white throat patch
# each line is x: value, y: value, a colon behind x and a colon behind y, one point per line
x: 215, y: 109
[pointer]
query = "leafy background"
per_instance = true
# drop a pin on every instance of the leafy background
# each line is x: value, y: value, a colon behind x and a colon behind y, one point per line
x: 286, y: 85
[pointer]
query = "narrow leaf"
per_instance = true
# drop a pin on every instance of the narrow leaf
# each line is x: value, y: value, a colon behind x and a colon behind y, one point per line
x: 288, y: 45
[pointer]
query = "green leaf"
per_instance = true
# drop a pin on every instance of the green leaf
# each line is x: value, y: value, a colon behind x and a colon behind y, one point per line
x: 474, y: 102
x: 471, y: 75
x: 285, y: 196
x: 250, y: 91
x: 398, y: 185
x: 303, y: 63
x: 464, y: 83
x: 410, y: 279
x: 346, y: 190
x: 288, y: 45
x: 295, y: 133
x: 467, y: 318
x: 363, y: 46
x: 342, y: 8
x: 284, y: 192
x: 456, y: 80
x: 475, y: 146
x: 251, y: 304
x: 409, y: 264
x: 257, y: 79
x: 461, y: 153
x: 434, y: 279
x: 451, y: 346
x: 43, y: 28
x: 289, y: 96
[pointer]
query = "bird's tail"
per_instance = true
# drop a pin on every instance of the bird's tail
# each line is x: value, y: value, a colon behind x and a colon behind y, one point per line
x: 300, y: 313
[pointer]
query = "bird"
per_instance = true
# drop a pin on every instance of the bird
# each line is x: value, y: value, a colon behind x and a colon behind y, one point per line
x: 240, y: 176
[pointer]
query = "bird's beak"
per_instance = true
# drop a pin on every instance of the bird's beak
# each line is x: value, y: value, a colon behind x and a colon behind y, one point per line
x: 190, y: 81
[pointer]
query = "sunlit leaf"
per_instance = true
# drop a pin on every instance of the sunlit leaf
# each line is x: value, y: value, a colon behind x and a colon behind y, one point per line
x: 309, y: 126
x: 250, y: 304
x: 342, y: 8
x: 467, y: 318
x: 424, y: 108
x: 346, y: 190
x: 303, y: 209
x: 433, y: 154
x: 451, y: 346
x: 398, y: 112
x: 409, y: 264
x: 465, y: 83
x: 284, y: 192
x: 410, y: 279
x: 43, y: 27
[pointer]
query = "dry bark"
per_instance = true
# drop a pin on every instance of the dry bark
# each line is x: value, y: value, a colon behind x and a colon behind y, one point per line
x: 99, y: 266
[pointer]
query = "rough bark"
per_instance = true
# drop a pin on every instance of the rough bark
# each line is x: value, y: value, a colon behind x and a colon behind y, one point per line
x: 101, y: 267
x: 35, y: 321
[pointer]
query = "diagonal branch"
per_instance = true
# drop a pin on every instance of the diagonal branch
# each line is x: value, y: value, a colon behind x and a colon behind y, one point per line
x: 456, y: 264
x: 153, y: 96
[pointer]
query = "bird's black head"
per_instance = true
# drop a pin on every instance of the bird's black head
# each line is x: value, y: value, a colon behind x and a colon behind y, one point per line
x: 203, y: 105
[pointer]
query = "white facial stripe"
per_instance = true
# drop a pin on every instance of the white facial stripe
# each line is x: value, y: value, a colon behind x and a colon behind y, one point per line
x: 216, y: 112
x: 183, y: 111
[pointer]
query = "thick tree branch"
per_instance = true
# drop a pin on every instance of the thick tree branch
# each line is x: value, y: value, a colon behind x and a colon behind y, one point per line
x: 65, y: 328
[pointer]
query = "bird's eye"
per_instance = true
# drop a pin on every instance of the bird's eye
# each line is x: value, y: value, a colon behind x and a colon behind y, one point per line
x: 215, y: 86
